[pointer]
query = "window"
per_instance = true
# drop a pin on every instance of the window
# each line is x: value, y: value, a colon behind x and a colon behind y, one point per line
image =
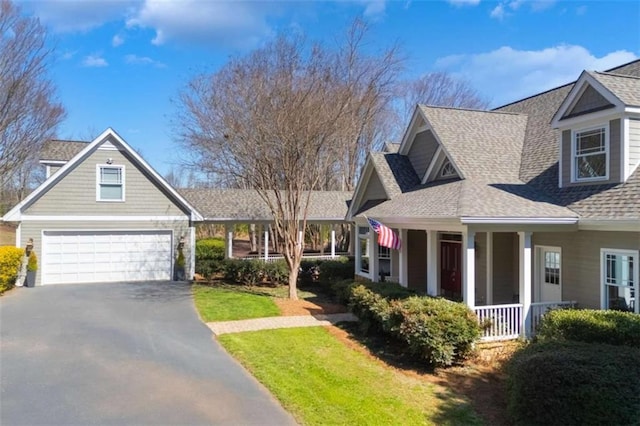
x: 384, y: 261
x: 551, y: 267
x: 363, y: 248
x: 590, y: 154
x: 110, y: 183
x: 619, y: 279
x: 448, y: 170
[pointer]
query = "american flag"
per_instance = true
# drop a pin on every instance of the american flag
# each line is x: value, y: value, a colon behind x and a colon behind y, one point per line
x: 386, y: 236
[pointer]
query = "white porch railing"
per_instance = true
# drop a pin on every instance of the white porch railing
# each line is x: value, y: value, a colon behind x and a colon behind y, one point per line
x: 499, y: 322
x: 538, y: 309
x: 504, y: 322
x: 271, y: 258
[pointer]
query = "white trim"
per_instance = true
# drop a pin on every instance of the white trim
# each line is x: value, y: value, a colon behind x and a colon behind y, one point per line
x: 432, y: 164
x: 525, y: 275
x: 440, y: 156
x: 403, y: 258
x: 68, y: 230
x: 626, y: 148
x: 19, y: 235
x: 15, y: 213
x: 333, y: 243
x: 607, y: 153
x: 433, y: 265
x: 489, y: 269
x: 469, y: 271
x: 609, y: 225
x: 538, y: 262
x: 636, y: 275
x: 99, y: 168
x: 45, y: 218
x: 53, y: 162
x: 632, y: 110
x: 560, y: 148
x: 361, y: 187
x: 518, y: 220
x: 409, y: 134
x: 192, y: 248
x: 596, y: 117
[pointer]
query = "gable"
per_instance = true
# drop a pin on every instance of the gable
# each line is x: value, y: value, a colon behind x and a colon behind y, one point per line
x: 590, y: 101
x: 422, y: 149
x: 375, y: 189
x: 75, y: 192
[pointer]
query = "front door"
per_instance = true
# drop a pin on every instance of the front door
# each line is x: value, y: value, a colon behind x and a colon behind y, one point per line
x: 451, y: 269
x: 549, y: 278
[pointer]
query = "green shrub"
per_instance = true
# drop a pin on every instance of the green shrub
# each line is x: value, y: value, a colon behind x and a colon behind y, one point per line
x: 309, y: 271
x: 32, y: 263
x: 10, y: 258
x: 435, y: 329
x: 252, y: 272
x: 209, y: 255
x: 276, y: 272
x: 390, y: 290
x: 574, y: 383
x: 587, y: 325
x: 341, y: 291
x: 371, y: 308
x: 331, y: 271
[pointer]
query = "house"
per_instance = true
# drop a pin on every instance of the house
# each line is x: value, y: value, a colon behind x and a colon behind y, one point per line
x: 104, y: 215
x: 529, y: 206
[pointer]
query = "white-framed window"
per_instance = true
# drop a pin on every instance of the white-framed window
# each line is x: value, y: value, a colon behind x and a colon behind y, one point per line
x: 110, y: 183
x: 551, y: 267
x: 619, y: 276
x: 590, y: 151
x: 447, y: 170
x: 363, y: 249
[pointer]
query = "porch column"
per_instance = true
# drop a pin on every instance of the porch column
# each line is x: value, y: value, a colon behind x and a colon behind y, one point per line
x: 432, y: 263
x: 259, y: 238
x: 374, y: 267
x: 489, y: 268
x: 192, y: 251
x: 525, y: 281
x: 228, y: 245
x: 469, y: 268
x: 19, y: 235
x: 333, y: 243
x: 266, y: 243
x: 403, y: 275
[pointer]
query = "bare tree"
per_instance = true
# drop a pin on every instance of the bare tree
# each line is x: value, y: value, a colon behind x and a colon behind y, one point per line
x: 29, y: 113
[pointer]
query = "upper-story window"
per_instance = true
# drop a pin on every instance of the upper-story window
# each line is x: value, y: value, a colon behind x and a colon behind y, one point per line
x: 110, y: 183
x: 447, y: 170
x: 590, y: 151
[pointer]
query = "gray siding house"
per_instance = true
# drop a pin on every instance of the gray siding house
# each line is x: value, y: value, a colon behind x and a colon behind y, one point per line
x: 104, y: 215
x: 517, y: 210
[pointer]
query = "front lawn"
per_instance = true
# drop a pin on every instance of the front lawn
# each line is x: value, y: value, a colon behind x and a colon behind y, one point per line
x: 227, y: 304
x: 321, y: 381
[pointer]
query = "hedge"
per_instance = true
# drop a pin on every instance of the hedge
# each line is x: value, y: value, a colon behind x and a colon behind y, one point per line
x: 587, y: 325
x: 252, y: 272
x: 209, y: 255
x: 437, y: 330
x: 10, y: 258
x: 574, y: 383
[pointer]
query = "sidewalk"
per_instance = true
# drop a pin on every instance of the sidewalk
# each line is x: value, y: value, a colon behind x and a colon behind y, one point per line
x: 225, y: 327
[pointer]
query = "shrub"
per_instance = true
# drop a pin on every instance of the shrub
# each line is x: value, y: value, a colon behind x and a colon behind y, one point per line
x: 252, y: 272
x: 209, y: 255
x: 10, y: 258
x: 435, y: 329
x: 309, y: 271
x: 371, y: 308
x: 574, y: 383
x: 276, y: 272
x: 331, y: 271
x: 32, y: 263
x: 587, y: 325
x: 341, y: 291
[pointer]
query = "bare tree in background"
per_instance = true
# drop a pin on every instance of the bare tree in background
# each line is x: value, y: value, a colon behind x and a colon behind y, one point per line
x: 29, y: 113
x: 274, y: 120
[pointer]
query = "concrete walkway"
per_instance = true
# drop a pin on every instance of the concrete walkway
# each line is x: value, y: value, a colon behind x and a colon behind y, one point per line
x: 225, y: 327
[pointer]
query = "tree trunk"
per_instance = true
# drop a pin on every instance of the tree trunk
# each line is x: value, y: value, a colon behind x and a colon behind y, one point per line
x: 252, y: 237
x: 293, y: 282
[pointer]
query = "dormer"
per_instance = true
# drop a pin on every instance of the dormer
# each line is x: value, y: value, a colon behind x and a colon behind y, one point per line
x: 599, y: 123
x: 56, y: 153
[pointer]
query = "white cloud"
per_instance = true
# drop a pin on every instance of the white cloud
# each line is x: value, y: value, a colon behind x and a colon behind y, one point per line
x: 77, y: 15
x: 498, y: 12
x: 94, y: 61
x: 236, y: 24
x: 117, y: 40
x: 507, y: 74
x: 142, y: 60
x: 509, y: 7
x: 374, y: 8
x: 464, y: 2
x: 68, y: 54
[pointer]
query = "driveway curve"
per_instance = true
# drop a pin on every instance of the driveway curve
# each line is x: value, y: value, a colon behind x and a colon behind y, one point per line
x: 120, y: 354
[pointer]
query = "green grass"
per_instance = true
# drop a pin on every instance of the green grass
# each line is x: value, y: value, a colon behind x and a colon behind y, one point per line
x: 225, y: 304
x: 323, y: 382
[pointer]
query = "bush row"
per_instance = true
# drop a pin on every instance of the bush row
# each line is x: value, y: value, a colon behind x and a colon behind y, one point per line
x: 209, y: 254
x: 574, y: 383
x: 325, y: 271
x: 10, y: 258
x: 252, y: 272
x: 437, y: 330
x: 591, y: 326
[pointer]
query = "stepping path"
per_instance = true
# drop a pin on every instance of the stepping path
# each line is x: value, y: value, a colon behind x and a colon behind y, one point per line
x: 225, y: 327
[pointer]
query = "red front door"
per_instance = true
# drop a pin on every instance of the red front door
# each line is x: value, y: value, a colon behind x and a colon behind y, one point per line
x: 451, y: 269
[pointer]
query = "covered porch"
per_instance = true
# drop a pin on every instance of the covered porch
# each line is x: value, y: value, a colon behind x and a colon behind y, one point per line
x: 493, y: 269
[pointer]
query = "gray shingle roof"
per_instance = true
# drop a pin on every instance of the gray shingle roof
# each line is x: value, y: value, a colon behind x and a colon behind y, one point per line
x: 229, y: 205
x: 510, y: 165
x: 624, y: 87
x: 60, y: 150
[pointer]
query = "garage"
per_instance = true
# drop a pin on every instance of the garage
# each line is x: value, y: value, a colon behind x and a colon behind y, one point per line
x: 106, y: 256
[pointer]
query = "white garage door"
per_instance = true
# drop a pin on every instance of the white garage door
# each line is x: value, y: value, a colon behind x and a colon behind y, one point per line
x: 105, y: 256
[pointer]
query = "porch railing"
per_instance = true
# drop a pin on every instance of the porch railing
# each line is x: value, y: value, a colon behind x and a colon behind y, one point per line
x: 273, y: 258
x: 499, y: 322
x: 538, y: 309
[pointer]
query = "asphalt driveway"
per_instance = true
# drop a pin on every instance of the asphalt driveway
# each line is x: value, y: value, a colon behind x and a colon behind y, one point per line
x: 120, y: 354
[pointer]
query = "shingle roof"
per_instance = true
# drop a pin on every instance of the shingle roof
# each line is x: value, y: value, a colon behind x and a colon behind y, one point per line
x: 229, y: 205
x: 60, y: 150
x: 624, y: 87
x: 395, y: 172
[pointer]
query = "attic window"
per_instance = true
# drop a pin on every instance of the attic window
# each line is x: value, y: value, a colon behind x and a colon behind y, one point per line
x: 110, y: 183
x: 447, y: 170
x: 590, y: 149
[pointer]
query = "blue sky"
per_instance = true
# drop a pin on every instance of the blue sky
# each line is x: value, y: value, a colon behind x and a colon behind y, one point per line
x: 119, y: 63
